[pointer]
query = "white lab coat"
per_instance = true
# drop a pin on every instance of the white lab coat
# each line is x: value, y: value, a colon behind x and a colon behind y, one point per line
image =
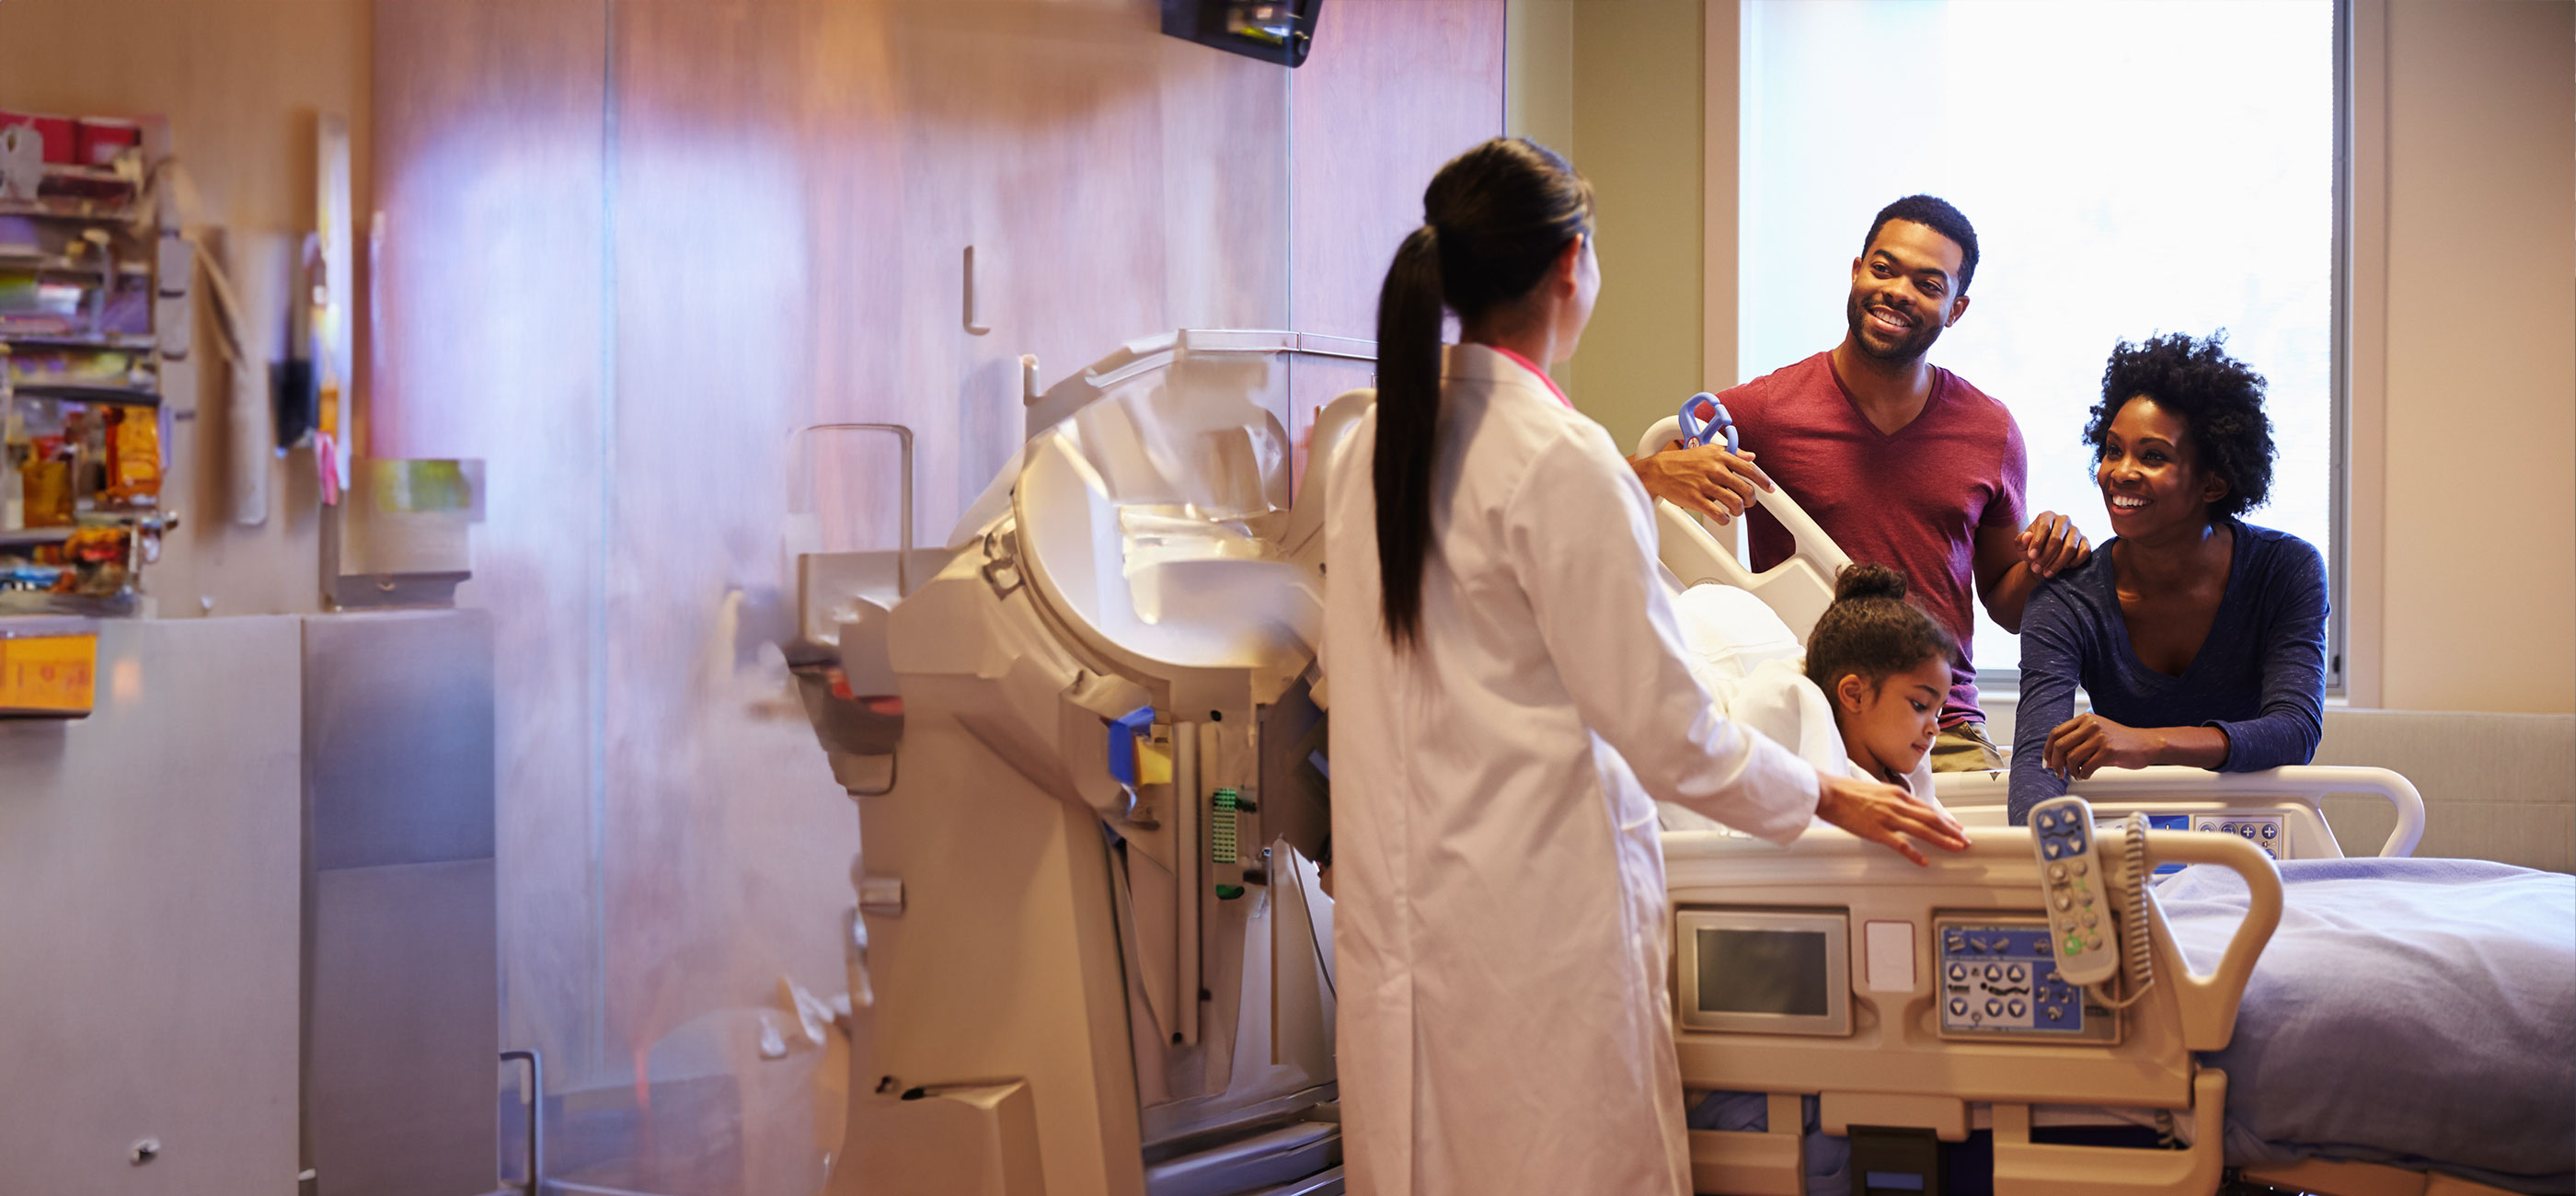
x: 1500, y: 930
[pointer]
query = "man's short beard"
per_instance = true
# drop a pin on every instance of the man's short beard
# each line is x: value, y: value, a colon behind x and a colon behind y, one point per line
x: 1911, y: 349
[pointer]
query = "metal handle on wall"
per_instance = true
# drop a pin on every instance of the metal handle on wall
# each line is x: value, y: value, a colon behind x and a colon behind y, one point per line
x: 536, y: 1117
x: 973, y: 327
x: 803, y: 481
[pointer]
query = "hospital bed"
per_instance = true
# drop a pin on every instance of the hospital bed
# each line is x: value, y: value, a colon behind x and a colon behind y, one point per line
x: 1091, y: 946
x: 1895, y: 1047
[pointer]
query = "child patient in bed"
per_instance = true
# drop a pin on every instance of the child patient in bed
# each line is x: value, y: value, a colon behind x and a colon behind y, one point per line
x: 1864, y: 699
x: 1884, y: 667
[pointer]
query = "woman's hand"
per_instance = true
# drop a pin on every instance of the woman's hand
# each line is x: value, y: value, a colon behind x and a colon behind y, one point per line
x: 1885, y: 814
x: 2088, y: 743
x: 1707, y: 479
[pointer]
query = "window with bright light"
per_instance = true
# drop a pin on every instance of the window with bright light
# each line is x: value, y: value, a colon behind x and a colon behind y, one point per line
x: 2131, y: 166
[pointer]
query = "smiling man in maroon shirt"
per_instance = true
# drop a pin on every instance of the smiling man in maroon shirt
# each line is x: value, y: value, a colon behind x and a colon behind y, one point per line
x: 1902, y: 462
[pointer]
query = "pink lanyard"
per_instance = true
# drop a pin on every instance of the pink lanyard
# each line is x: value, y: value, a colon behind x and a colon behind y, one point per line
x: 1552, y: 388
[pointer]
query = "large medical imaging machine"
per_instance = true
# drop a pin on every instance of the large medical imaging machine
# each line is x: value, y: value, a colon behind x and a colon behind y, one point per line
x: 1090, y: 786
x: 1085, y: 737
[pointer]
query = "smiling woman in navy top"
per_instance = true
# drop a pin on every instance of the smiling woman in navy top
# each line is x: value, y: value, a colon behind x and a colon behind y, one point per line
x: 2200, y: 638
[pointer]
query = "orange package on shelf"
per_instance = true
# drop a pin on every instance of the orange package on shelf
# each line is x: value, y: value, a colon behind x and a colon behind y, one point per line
x: 134, y: 457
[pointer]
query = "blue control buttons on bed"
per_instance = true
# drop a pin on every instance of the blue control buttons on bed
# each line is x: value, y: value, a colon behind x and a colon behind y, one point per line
x: 2265, y: 830
x: 1998, y: 979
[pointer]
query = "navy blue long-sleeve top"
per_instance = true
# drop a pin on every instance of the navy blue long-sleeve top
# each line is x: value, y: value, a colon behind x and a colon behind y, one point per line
x: 2259, y: 677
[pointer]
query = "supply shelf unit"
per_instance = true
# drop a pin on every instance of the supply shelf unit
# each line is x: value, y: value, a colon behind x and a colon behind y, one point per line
x: 94, y: 282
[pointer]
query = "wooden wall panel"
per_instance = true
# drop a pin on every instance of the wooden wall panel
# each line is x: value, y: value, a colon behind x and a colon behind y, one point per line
x: 1390, y: 92
x: 489, y: 117
x: 746, y: 134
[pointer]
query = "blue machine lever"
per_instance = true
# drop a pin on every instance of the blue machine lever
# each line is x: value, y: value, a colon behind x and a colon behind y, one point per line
x: 1123, y: 732
x: 1697, y: 431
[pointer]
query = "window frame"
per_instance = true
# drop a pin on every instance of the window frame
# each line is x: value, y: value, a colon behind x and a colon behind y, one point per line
x: 1722, y: 139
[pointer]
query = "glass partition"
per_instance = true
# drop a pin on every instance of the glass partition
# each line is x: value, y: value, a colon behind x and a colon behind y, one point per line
x: 631, y: 250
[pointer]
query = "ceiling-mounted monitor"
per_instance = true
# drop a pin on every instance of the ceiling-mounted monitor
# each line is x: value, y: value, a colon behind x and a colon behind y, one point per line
x: 1277, y: 31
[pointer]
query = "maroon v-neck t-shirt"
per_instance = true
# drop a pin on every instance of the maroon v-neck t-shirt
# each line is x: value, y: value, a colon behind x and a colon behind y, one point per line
x: 1913, y: 501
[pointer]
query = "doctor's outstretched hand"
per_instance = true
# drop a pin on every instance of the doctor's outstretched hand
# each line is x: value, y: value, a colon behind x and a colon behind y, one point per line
x: 1886, y: 815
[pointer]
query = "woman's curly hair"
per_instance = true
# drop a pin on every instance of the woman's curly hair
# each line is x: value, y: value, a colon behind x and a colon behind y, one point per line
x: 2218, y: 397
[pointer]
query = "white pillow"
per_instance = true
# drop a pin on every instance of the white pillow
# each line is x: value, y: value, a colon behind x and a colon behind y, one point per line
x: 1750, y: 661
x: 1731, y: 632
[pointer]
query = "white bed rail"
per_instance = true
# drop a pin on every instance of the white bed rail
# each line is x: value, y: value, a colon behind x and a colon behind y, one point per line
x: 1981, y: 798
x: 2207, y: 1009
x: 1799, y: 588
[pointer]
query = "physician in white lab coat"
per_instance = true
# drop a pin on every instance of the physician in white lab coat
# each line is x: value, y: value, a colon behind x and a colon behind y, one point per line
x: 1509, y: 695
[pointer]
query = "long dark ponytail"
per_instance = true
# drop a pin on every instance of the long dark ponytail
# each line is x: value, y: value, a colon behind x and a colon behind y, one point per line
x: 1494, y: 219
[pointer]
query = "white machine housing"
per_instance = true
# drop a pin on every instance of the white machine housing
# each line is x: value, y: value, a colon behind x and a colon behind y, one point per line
x: 1080, y: 985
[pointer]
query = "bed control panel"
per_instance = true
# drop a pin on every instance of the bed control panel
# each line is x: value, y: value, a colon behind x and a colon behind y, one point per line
x: 2269, y: 831
x: 1997, y: 977
x: 2265, y: 831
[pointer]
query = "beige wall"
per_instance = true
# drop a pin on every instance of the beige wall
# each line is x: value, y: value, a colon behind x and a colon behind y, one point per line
x: 1616, y: 86
x: 1637, y: 135
x: 241, y: 82
x: 1538, y: 79
x: 2477, y: 497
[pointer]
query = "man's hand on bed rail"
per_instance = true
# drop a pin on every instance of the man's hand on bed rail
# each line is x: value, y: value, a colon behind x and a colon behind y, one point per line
x: 1707, y: 479
x: 1887, y: 815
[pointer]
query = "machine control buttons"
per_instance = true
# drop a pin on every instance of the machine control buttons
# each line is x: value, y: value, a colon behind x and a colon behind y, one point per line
x: 2081, y: 867
x: 2271, y: 831
x: 1994, y: 1008
x: 2013, y: 974
x: 2016, y: 1008
x: 2064, y: 901
x: 2090, y: 921
x: 1958, y: 972
x: 1994, y: 972
x: 1958, y: 1007
x: 2057, y: 872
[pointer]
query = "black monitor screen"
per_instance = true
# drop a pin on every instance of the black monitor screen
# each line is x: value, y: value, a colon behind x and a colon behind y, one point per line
x: 1762, y: 971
